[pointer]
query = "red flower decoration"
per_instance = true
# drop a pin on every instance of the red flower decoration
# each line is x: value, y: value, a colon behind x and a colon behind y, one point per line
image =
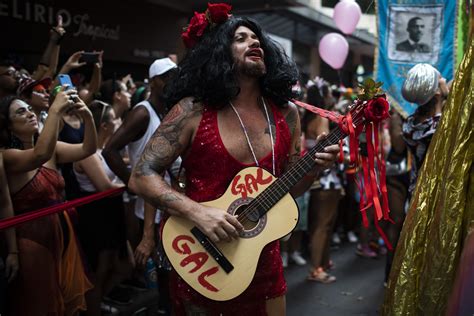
x: 195, y: 29
x: 218, y: 12
x: 376, y: 109
x: 188, y: 39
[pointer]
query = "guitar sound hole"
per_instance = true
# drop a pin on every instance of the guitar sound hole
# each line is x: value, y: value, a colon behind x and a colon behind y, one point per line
x: 251, y: 220
x: 248, y: 219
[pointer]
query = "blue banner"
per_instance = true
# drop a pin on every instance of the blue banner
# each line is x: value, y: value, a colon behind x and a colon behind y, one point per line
x: 411, y: 32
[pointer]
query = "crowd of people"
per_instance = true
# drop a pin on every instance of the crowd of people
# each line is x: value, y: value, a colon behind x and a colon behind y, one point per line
x: 172, y: 140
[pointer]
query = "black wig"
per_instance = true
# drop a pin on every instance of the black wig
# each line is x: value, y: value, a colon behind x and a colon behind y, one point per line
x: 207, y: 71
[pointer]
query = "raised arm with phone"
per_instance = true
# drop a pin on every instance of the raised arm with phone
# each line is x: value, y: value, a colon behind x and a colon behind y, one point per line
x: 75, y: 61
x: 90, y: 57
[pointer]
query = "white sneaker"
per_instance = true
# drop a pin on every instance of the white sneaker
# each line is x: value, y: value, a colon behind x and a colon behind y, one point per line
x: 336, y: 239
x: 284, y: 259
x: 297, y: 258
x: 352, y: 237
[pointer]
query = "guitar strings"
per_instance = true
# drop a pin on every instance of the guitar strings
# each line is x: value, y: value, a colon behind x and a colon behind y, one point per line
x: 333, y: 138
x: 262, y: 199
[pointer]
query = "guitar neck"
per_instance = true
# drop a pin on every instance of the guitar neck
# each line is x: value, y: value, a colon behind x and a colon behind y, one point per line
x: 279, y: 188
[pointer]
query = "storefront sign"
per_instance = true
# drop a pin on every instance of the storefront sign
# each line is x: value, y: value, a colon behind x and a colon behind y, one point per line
x: 45, y: 14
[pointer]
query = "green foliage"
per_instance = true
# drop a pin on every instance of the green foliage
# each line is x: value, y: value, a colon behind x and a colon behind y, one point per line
x: 369, y: 89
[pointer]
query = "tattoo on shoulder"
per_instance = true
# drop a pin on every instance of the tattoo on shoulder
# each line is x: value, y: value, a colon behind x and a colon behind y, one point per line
x: 292, y: 119
x: 164, y: 146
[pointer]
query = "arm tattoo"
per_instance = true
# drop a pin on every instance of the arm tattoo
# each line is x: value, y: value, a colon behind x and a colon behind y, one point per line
x: 291, y: 119
x: 296, y: 155
x: 162, y: 200
x: 164, y: 145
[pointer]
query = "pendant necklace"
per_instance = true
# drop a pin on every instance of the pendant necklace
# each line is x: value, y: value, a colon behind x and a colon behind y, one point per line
x: 247, y: 136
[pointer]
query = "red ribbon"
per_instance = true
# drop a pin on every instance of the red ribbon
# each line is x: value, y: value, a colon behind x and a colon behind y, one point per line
x: 369, y: 186
x: 20, y: 219
x: 333, y: 116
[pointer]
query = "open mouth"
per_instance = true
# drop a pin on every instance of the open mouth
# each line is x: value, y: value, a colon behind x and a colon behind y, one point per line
x: 254, y: 53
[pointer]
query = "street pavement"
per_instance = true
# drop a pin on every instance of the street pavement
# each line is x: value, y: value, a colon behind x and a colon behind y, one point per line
x: 357, y: 291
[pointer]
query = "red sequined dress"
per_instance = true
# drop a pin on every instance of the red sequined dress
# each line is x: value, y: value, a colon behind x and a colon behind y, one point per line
x: 51, y: 279
x: 209, y: 171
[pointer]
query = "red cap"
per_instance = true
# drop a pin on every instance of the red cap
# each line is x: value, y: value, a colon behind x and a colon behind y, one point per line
x: 27, y: 83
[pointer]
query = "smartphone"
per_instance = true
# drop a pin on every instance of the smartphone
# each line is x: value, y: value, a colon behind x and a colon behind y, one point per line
x: 90, y: 58
x: 65, y: 80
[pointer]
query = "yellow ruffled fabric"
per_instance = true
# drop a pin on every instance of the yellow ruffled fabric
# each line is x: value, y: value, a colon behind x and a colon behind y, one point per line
x: 441, y: 211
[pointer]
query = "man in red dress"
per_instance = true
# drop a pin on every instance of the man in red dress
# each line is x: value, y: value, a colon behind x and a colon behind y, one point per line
x: 231, y: 110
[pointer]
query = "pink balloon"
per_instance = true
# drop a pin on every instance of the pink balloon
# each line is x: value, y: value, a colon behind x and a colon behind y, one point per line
x: 346, y: 16
x: 333, y: 49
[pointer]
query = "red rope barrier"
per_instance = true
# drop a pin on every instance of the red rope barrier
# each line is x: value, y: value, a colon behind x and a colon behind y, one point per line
x: 20, y: 219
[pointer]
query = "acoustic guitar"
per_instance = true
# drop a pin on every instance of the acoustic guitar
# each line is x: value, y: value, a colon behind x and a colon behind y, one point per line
x: 222, y: 271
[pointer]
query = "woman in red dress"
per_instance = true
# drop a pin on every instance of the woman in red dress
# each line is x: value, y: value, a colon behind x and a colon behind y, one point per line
x: 51, y: 278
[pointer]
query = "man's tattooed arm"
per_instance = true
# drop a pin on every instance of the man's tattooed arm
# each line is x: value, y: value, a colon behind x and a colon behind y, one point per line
x: 170, y: 140
x: 293, y: 120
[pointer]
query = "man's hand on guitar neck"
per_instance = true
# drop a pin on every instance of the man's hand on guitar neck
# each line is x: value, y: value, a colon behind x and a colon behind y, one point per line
x: 217, y: 224
x: 327, y: 158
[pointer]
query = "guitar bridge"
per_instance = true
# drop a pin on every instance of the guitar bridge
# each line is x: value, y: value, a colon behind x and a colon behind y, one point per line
x: 215, y: 253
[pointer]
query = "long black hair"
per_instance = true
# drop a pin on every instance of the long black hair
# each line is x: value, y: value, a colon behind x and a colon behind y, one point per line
x: 207, y: 71
x: 7, y: 139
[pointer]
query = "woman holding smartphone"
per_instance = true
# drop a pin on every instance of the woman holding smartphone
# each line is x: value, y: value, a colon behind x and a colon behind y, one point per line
x: 51, y: 276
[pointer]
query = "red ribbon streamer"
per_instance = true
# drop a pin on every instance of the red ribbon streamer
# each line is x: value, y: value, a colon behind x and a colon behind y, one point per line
x: 20, y: 219
x: 369, y: 185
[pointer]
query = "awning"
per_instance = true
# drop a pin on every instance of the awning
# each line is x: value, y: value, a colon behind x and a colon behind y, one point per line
x: 292, y: 19
x: 302, y: 24
x: 188, y: 6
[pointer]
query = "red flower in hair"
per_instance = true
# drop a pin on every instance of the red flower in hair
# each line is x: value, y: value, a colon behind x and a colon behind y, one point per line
x: 218, y: 12
x: 377, y: 109
x: 188, y: 39
x: 195, y: 29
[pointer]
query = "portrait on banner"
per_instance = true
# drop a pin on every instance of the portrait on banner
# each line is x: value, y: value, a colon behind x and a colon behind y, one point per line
x: 414, y: 33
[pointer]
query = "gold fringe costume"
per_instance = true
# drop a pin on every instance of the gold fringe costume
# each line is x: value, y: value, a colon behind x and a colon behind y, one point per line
x: 441, y: 212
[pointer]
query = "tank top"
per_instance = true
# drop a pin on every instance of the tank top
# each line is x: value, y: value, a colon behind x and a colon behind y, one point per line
x: 210, y: 168
x: 84, y: 181
x: 135, y: 150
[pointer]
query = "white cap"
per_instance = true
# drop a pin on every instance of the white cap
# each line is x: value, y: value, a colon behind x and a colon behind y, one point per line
x: 160, y: 66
